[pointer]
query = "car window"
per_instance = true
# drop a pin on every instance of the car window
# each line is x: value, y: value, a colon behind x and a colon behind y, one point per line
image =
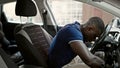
x: 9, y: 10
x: 68, y: 11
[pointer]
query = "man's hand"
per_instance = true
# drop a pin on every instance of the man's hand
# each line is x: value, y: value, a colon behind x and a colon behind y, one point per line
x: 97, y: 62
x: 100, y: 54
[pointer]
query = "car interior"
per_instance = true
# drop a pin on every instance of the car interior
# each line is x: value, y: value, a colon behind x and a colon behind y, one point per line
x: 32, y: 40
x: 26, y: 44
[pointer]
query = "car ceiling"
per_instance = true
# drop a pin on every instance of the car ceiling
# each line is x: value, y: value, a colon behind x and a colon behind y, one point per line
x: 115, y: 3
x: 6, y: 1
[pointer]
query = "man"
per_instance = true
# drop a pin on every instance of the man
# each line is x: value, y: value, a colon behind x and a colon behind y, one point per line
x: 69, y: 42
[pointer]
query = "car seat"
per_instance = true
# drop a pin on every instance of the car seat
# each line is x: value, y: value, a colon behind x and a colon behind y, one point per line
x: 32, y: 40
x: 5, y: 61
x: 5, y: 43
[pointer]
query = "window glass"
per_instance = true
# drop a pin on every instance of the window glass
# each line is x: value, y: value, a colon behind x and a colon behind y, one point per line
x: 9, y: 10
x: 68, y: 11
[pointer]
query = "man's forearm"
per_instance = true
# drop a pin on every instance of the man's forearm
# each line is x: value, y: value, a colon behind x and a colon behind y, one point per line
x: 96, y: 62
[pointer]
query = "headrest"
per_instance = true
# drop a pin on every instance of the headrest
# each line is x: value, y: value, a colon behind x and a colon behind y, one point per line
x: 25, y: 8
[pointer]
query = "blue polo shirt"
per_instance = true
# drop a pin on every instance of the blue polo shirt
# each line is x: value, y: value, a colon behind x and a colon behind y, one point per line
x: 60, y: 52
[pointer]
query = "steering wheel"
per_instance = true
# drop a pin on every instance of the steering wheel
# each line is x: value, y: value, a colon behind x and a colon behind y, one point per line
x: 101, y: 38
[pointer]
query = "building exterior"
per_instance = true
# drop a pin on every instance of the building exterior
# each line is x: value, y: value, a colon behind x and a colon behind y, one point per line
x: 89, y: 11
x: 68, y: 11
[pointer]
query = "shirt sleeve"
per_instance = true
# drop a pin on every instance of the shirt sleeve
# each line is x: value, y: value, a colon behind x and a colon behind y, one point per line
x: 74, y: 41
x: 71, y: 34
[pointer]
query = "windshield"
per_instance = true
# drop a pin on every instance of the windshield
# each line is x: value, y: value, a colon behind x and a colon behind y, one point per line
x: 70, y: 11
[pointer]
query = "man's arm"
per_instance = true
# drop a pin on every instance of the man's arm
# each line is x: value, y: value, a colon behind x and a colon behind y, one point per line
x: 80, y: 49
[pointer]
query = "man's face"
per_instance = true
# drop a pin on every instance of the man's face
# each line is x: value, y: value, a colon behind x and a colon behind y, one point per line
x: 91, y: 34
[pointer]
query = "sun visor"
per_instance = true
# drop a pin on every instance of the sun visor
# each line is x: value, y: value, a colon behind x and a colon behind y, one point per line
x: 25, y: 8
